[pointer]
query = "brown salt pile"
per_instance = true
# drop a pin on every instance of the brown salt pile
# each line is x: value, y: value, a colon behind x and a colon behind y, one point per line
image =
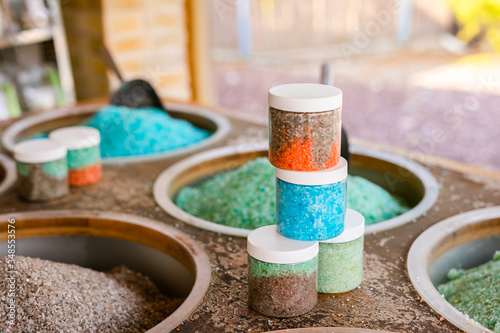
x: 56, y: 297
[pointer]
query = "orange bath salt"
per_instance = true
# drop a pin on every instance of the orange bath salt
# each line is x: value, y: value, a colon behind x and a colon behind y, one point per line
x: 334, y: 158
x: 299, y: 157
x: 296, y: 157
x: 85, y: 176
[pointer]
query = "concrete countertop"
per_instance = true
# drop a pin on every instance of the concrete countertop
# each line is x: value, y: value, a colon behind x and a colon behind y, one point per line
x: 385, y: 300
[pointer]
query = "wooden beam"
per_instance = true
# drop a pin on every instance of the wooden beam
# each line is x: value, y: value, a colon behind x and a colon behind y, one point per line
x: 202, y: 82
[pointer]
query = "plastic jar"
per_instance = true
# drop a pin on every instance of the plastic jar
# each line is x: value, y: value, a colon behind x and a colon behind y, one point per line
x: 340, y: 263
x: 84, y: 155
x: 311, y: 205
x: 304, y: 126
x: 282, y: 273
x: 42, y: 169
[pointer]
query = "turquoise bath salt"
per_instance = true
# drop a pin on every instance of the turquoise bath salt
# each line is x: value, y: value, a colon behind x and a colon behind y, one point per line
x: 42, y: 169
x: 282, y: 273
x: 340, y: 260
x: 311, y: 205
x: 142, y: 131
x: 246, y: 197
x: 476, y: 292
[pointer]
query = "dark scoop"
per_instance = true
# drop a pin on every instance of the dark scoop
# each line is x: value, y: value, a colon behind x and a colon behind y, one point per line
x: 135, y: 94
x: 344, y: 147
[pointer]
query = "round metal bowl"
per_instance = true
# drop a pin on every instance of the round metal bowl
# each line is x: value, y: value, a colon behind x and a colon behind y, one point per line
x: 45, y: 122
x: 8, y: 173
x: 465, y: 240
x: 397, y: 175
x: 101, y: 240
x: 328, y: 330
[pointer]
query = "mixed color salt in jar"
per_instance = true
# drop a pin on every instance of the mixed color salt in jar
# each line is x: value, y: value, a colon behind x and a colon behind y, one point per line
x: 282, y: 273
x: 340, y: 260
x: 42, y: 169
x: 311, y: 205
x: 304, y: 126
x: 84, y: 156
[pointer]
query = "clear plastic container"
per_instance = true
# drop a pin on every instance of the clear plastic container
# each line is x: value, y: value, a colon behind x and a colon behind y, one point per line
x: 340, y: 260
x: 282, y: 273
x: 311, y: 206
x: 84, y: 155
x: 42, y: 169
x: 304, y: 126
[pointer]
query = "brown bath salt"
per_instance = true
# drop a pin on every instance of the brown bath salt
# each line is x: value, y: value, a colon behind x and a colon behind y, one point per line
x: 304, y: 126
x: 56, y: 297
x: 283, y: 296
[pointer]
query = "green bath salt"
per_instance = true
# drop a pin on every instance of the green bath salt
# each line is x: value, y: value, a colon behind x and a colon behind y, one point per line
x: 476, y: 292
x: 246, y: 198
x: 340, y: 259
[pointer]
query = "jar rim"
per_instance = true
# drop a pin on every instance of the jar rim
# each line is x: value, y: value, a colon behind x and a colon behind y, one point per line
x: 322, y: 177
x: 354, y: 227
x: 39, y: 151
x: 76, y: 137
x: 268, y: 245
x: 305, y: 97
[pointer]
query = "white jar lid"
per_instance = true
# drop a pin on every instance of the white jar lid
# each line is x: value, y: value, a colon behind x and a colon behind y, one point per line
x: 39, y: 151
x: 268, y: 245
x: 354, y: 227
x: 305, y: 97
x: 329, y: 176
x: 76, y: 137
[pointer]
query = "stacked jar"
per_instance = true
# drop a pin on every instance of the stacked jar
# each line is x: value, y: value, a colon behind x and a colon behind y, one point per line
x: 304, y: 145
x: 311, y: 187
x: 84, y: 156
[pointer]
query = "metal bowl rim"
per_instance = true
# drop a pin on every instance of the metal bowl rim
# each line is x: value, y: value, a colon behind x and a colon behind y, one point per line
x: 199, y: 256
x: 222, y: 123
x: 419, y: 257
x: 163, y: 181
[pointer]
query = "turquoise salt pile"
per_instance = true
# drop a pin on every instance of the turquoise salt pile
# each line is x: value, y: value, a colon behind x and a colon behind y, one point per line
x: 130, y: 132
x: 246, y: 198
x: 340, y: 259
x: 476, y: 292
x: 282, y: 273
x: 133, y: 132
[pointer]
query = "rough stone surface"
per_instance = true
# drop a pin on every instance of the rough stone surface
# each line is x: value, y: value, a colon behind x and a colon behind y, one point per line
x: 385, y: 300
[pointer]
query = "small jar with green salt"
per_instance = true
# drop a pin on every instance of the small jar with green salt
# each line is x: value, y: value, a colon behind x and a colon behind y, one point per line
x: 340, y: 259
x: 84, y: 155
x: 282, y: 273
x: 42, y: 169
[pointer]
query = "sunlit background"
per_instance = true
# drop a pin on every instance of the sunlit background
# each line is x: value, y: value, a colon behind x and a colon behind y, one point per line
x: 422, y: 76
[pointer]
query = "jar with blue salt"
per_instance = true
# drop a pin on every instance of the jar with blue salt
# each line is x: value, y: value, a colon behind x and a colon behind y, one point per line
x: 42, y: 169
x: 340, y: 259
x: 311, y: 206
x: 84, y: 155
x: 282, y: 273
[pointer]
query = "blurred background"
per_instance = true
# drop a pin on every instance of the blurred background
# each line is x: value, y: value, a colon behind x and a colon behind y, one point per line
x: 422, y: 76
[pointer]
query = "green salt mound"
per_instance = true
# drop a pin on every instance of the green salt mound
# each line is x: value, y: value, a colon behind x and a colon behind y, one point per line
x: 241, y: 198
x: 476, y: 292
x: 246, y: 198
x: 372, y: 201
